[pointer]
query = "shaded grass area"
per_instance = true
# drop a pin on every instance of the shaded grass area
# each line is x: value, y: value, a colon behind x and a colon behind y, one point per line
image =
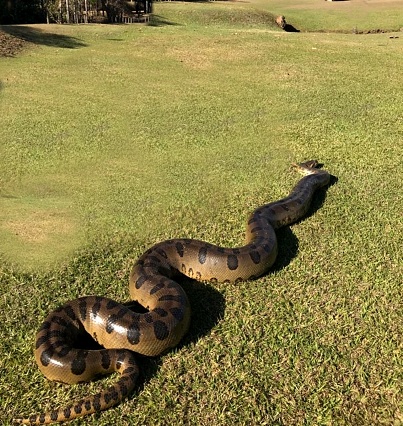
x: 37, y: 35
x: 149, y: 133
x: 14, y: 38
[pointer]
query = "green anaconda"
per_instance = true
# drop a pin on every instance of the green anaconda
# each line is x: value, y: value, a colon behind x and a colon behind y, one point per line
x: 122, y: 332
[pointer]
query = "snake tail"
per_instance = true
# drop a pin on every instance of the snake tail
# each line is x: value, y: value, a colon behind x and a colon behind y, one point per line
x: 122, y: 361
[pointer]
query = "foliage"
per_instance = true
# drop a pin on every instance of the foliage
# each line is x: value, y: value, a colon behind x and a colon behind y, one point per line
x: 65, y: 11
x: 22, y: 11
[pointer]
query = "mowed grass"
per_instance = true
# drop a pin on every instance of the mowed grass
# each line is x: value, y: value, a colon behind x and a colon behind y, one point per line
x: 353, y: 16
x: 179, y: 130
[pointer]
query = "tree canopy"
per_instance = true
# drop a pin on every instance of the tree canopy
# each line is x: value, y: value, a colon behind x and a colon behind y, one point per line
x: 68, y: 11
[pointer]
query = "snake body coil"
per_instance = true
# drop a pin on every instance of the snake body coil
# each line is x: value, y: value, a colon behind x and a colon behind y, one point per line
x: 121, y: 331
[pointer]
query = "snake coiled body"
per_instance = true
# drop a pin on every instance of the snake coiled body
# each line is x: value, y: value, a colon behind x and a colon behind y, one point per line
x: 152, y: 283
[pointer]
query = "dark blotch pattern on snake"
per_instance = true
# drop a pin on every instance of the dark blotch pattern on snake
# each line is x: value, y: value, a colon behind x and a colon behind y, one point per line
x: 122, y: 332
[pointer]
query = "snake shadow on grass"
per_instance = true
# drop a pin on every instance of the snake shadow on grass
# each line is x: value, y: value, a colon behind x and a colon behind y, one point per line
x: 208, y: 304
x: 103, y: 317
x: 288, y: 244
x: 208, y: 308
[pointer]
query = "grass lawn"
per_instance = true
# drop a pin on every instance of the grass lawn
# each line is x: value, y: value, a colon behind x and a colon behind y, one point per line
x: 117, y: 137
x: 343, y: 16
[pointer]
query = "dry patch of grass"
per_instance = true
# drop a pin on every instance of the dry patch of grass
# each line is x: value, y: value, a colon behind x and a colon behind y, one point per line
x: 202, y: 56
x: 39, y: 227
x: 36, y: 233
x: 194, y: 59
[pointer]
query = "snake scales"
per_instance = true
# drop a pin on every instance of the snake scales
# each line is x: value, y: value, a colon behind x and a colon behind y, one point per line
x: 121, y: 331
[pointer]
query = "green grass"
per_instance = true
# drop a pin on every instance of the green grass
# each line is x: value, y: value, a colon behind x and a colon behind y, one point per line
x: 151, y: 132
x: 340, y: 16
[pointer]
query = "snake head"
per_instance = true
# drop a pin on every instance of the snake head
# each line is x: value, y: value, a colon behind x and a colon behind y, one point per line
x: 307, y: 167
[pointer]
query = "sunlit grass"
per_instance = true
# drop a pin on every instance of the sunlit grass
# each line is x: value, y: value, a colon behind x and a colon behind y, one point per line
x: 154, y: 132
x: 351, y: 16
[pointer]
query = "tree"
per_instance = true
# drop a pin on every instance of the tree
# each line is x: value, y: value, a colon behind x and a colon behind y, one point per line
x: 68, y: 11
x: 22, y: 11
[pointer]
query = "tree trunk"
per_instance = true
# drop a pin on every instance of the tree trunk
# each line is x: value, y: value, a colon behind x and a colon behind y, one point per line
x: 85, y: 12
x: 59, y: 13
x: 67, y: 12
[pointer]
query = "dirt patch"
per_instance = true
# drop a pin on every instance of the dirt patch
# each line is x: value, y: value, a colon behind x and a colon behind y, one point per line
x: 39, y: 227
x: 9, y: 45
x: 39, y: 230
